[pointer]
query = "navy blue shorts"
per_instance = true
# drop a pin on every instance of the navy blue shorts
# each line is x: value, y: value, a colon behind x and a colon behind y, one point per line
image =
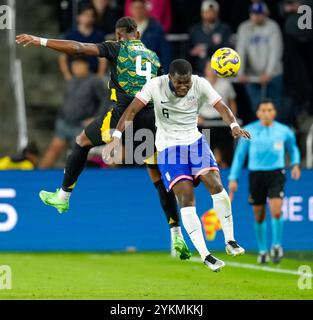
x: 186, y: 162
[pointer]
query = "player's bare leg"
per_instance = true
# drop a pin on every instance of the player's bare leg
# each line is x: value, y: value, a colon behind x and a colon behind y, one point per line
x: 169, y: 205
x: 222, y: 206
x: 261, y: 230
x: 55, y: 149
x: 185, y: 194
x: 277, y: 252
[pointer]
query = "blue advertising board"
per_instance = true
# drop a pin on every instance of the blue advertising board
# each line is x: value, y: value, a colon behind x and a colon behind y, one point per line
x: 118, y: 209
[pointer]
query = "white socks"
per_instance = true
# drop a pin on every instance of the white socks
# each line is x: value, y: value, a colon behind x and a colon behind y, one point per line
x: 222, y: 206
x: 193, y: 227
x: 63, y: 195
x: 176, y: 231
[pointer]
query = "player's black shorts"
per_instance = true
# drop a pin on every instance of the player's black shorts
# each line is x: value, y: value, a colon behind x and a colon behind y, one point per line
x: 99, y: 131
x: 266, y: 184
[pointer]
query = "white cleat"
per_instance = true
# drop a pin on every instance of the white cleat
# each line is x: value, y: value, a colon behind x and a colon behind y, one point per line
x: 233, y: 249
x: 213, y: 263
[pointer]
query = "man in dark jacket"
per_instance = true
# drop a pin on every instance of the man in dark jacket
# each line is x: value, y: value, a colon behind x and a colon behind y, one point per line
x: 207, y: 36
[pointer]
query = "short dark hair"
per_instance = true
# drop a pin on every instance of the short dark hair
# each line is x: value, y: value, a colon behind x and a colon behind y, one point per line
x: 86, y: 7
x: 128, y: 25
x: 142, y: 1
x: 181, y: 67
x: 78, y: 57
x: 267, y: 100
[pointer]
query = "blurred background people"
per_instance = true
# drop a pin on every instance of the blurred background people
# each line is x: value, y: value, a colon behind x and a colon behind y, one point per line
x: 84, y: 98
x: 207, y: 36
x: 27, y: 159
x: 106, y: 16
x: 298, y: 56
x: 84, y: 32
x: 152, y: 33
x: 260, y: 46
x: 160, y: 10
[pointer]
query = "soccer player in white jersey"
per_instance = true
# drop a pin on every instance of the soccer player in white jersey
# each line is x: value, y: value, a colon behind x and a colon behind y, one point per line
x: 184, y: 155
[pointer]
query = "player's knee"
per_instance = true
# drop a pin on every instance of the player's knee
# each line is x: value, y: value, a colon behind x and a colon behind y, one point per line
x: 215, y: 186
x: 83, y: 141
x: 276, y: 215
x: 186, y: 200
x: 259, y: 216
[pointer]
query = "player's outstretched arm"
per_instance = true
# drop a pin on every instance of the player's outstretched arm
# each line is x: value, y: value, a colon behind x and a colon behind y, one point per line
x: 230, y: 119
x: 127, y: 117
x: 65, y: 46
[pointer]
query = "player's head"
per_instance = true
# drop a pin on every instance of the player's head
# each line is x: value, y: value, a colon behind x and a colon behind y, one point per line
x: 266, y: 112
x: 126, y: 29
x: 80, y: 66
x: 209, y: 11
x: 86, y: 16
x: 180, y: 76
x: 138, y: 9
x: 258, y: 13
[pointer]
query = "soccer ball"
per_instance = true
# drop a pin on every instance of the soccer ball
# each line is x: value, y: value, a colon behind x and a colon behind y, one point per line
x: 225, y: 62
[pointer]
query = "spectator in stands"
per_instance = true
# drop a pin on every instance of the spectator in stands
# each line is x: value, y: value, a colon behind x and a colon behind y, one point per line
x: 221, y: 141
x: 85, y: 32
x: 26, y: 160
x: 298, y: 56
x: 84, y: 97
x: 207, y: 36
x: 160, y: 10
x: 260, y: 47
x: 106, y: 16
x: 152, y: 34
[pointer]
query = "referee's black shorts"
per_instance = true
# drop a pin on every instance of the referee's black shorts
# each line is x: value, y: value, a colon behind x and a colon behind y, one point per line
x: 266, y: 184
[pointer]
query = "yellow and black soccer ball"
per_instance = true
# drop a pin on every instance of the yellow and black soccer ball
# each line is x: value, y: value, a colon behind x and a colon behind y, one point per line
x: 225, y: 62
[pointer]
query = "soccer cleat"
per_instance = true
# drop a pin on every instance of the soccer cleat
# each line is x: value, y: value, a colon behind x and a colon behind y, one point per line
x: 213, y: 263
x: 52, y: 199
x: 263, y: 258
x: 277, y: 253
x: 233, y: 249
x: 181, y: 248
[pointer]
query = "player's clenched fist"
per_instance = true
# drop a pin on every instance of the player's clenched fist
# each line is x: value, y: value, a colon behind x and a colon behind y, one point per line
x: 26, y: 39
x: 238, y: 132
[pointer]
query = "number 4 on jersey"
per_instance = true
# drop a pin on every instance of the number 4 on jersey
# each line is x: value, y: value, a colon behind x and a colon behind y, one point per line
x: 144, y: 73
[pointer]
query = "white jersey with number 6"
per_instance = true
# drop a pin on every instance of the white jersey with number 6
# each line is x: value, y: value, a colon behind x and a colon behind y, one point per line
x: 176, y: 118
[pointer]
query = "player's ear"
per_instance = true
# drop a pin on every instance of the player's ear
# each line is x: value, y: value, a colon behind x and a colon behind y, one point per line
x: 118, y: 36
x: 138, y: 35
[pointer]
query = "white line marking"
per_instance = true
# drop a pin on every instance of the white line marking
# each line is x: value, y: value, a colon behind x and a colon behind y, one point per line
x: 259, y: 268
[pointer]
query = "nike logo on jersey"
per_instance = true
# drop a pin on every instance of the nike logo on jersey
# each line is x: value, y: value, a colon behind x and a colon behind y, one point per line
x: 165, y: 102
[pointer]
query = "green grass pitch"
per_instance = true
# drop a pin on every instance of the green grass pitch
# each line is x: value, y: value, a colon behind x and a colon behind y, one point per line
x: 145, y: 276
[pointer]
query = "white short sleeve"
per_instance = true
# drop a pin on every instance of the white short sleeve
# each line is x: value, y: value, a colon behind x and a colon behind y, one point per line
x: 207, y: 93
x: 145, y: 95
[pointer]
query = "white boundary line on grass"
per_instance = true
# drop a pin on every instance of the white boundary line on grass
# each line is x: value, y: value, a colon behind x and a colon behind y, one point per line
x: 260, y: 268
